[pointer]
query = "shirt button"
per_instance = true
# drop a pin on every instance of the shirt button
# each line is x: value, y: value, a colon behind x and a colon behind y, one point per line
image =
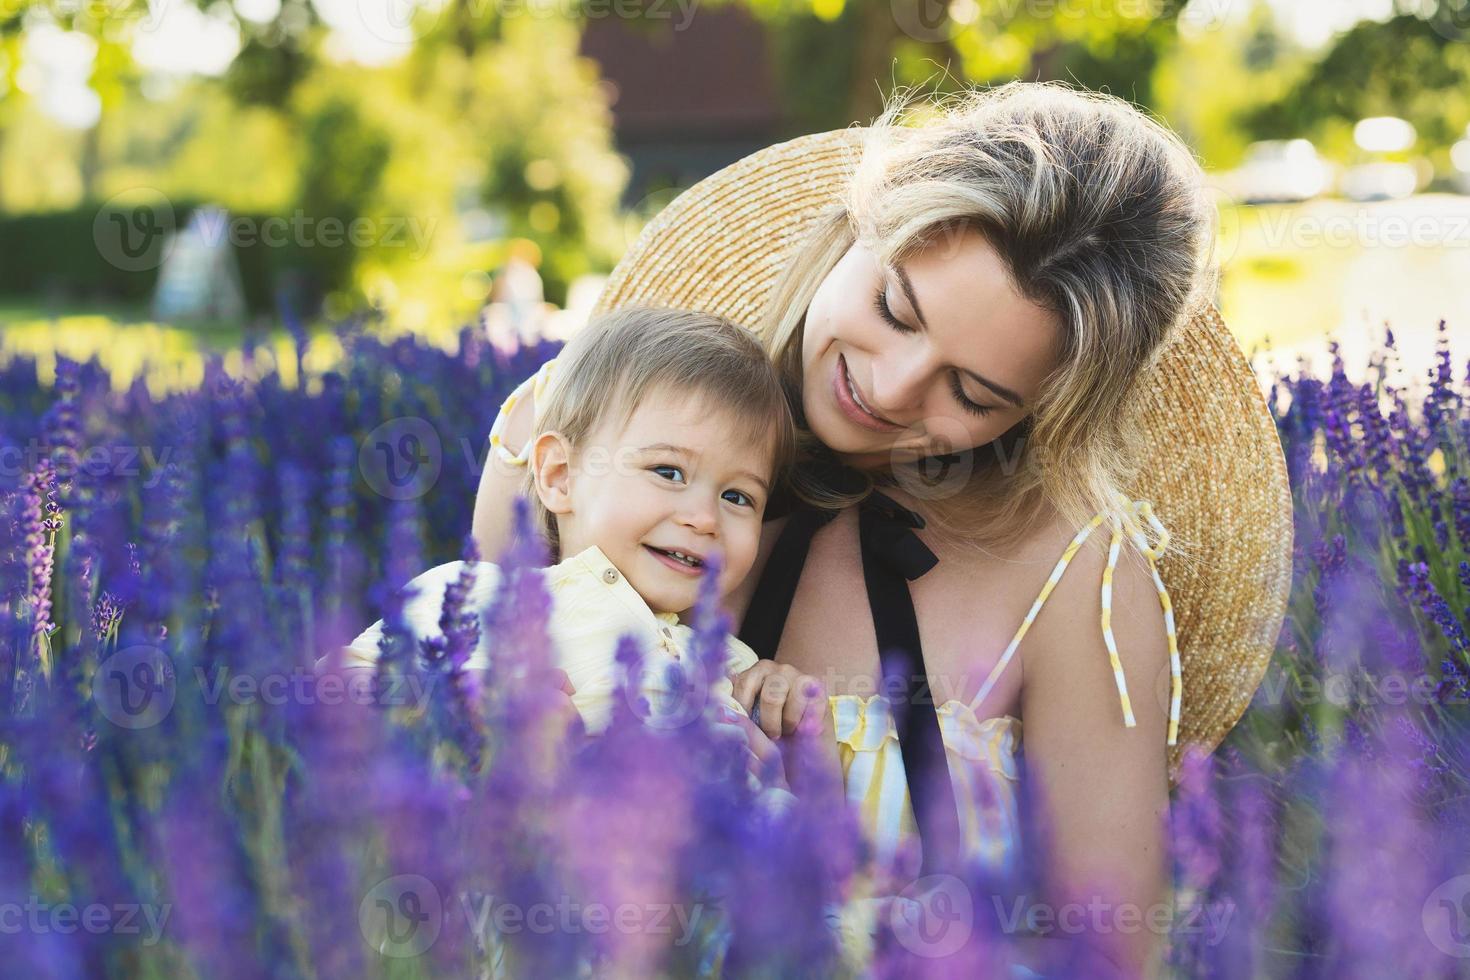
x: 610, y: 575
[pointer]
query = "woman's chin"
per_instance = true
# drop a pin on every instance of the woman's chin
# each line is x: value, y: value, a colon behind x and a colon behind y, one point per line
x: 838, y: 434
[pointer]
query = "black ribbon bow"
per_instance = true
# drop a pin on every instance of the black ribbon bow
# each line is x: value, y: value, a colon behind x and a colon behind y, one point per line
x: 893, y: 555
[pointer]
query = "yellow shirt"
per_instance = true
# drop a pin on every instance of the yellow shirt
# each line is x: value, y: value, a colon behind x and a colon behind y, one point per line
x: 592, y: 606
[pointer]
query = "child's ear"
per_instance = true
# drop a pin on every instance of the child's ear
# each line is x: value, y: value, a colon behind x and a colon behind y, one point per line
x: 551, y: 464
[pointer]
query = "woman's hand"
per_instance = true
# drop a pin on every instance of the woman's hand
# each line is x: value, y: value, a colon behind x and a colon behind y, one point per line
x: 763, y: 752
x: 795, y: 706
x: 785, y: 696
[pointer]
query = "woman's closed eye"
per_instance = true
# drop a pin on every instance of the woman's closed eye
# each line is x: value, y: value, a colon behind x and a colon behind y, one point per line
x: 880, y: 303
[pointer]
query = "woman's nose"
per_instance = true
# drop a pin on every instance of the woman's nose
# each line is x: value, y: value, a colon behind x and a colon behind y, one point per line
x: 900, y: 377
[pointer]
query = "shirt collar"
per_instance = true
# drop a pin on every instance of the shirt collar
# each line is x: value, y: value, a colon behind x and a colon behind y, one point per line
x: 592, y: 562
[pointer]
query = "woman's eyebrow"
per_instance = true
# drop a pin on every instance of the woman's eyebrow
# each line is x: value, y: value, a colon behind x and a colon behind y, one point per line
x: 908, y: 291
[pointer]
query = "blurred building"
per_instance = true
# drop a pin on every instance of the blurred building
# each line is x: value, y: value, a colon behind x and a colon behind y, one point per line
x: 692, y: 91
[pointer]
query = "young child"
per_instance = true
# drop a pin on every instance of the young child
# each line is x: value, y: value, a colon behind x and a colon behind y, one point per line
x: 659, y: 439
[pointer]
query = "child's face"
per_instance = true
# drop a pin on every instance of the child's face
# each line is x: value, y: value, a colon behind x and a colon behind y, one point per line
x: 676, y: 478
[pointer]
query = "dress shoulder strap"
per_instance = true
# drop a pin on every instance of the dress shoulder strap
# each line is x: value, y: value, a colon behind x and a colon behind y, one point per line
x: 1138, y: 511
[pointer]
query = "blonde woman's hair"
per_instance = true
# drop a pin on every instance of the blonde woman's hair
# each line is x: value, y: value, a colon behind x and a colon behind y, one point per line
x: 612, y: 364
x: 1100, y: 216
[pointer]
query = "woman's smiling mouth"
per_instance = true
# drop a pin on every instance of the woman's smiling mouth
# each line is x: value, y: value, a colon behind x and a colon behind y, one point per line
x: 852, y: 404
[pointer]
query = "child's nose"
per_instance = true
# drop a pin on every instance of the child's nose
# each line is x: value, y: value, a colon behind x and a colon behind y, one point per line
x: 700, y: 516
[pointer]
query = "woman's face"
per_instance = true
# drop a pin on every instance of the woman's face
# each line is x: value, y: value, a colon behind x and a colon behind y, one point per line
x: 938, y: 355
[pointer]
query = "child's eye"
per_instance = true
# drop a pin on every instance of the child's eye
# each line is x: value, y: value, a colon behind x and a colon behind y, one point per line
x: 678, y: 479
x: 745, y: 499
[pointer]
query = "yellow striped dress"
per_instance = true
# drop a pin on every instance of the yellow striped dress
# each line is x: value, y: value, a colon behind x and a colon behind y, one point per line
x: 982, y: 753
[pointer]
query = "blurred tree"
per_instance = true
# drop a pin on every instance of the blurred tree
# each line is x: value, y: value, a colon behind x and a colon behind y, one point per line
x: 1406, y: 66
x: 265, y: 72
x: 11, y: 96
x: 1219, y: 70
x: 343, y: 159
x: 840, y: 58
x: 533, y: 120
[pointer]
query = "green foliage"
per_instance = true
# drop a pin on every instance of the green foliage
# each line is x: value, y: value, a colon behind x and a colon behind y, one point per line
x: 266, y: 74
x: 1217, y: 72
x: 56, y: 255
x: 1400, y: 67
x: 343, y: 164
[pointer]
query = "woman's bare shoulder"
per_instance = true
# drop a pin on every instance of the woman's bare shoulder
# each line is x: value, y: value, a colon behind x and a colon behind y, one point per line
x: 1070, y: 625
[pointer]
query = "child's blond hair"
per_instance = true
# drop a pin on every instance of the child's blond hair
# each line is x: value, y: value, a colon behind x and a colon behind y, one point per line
x: 613, y: 363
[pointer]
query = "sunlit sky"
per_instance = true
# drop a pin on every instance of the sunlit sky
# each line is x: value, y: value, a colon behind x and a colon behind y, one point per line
x: 178, y: 39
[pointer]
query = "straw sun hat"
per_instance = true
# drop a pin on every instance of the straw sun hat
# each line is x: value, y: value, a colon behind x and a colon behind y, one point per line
x: 1217, y: 477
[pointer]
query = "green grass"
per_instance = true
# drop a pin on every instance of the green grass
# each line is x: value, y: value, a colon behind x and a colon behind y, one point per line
x: 170, y: 356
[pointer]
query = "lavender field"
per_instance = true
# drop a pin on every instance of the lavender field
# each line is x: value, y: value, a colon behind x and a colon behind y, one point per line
x: 183, y: 793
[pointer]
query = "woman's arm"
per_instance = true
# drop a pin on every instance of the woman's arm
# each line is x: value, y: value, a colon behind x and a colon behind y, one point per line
x: 500, y: 483
x: 1100, y: 786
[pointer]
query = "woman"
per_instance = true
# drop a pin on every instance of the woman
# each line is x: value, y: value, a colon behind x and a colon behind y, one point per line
x: 989, y: 292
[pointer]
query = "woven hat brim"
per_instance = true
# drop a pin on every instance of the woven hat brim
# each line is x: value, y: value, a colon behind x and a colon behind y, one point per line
x: 1215, y: 473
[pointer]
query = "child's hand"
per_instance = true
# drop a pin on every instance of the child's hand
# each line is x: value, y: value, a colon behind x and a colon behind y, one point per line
x: 779, y: 697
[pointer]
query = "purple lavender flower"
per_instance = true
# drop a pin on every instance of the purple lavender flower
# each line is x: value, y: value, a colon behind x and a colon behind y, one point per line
x: 61, y: 426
